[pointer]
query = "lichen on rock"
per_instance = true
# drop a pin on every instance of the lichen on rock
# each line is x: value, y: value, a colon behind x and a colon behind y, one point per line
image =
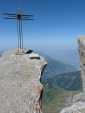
x: 20, y: 87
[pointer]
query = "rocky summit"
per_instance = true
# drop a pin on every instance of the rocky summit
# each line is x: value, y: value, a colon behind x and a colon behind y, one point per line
x: 20, y: 87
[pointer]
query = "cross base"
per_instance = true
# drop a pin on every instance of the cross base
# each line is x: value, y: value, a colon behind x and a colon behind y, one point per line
x: 20, y: 51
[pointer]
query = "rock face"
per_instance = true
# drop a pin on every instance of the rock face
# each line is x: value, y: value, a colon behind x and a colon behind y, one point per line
x: 20, y: 87
x: 81, y: 42
x: 78, y: 105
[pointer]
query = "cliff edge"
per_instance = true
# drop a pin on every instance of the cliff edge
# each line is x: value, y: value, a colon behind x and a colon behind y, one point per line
x: 20, y: 87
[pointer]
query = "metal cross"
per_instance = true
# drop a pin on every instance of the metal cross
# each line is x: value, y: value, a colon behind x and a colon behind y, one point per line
x: 19, y: 17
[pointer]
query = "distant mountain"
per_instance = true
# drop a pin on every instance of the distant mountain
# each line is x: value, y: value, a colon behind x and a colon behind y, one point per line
x: 62, y: 75
x: 55, y: 67
x: 68, y: 81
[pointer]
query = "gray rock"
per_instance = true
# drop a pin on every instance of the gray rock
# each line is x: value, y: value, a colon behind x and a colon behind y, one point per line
x: 20, y: 87
x: 78, y: 107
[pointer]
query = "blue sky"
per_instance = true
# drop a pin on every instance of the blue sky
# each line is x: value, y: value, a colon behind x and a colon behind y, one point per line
x: 57, y: 23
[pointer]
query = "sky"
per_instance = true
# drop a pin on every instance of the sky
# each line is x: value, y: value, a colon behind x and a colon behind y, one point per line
x: 57, y: 24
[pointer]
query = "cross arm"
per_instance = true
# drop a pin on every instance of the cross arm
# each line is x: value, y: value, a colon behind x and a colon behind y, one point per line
x: 9, y: 18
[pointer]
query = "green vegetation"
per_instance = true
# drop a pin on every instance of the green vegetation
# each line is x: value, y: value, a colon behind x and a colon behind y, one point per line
x: 54, y: 99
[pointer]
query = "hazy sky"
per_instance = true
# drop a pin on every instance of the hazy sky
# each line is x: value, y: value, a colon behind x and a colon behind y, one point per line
x: 57, y: 23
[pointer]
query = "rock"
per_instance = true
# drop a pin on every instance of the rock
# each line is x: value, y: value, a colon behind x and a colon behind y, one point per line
x: 20, y: 87
x: 34, y: 56
x: 81, y: 43
x: 78, y: 107
x: 29, y: 51
x: 78, y: 97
